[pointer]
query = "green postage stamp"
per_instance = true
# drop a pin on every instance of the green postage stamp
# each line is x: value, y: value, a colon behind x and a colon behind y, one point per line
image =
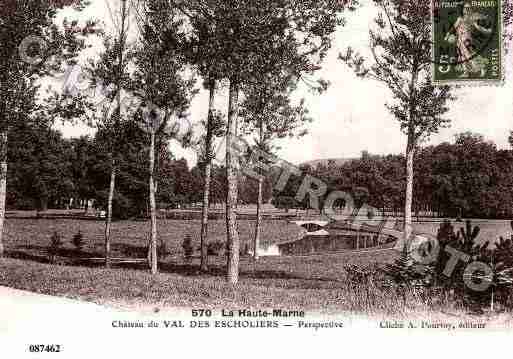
x: 467, y: 41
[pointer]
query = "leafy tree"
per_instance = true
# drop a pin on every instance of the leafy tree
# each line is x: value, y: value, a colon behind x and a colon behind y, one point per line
x: 81, y: 158
x: 268, y: 111
x: 40, y: 169
x: 183, y: 179
x: 129, y: 198
x: 165, y: 92
x: 201, y: 51
x: 249, y: 192
x: 219, y: 184
x: 21, y: 64
x: 111, y: 70
x: 401, y: 59
x: 246, y: 33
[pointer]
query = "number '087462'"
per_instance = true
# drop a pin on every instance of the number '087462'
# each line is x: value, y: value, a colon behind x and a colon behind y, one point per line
x: 45, y: 348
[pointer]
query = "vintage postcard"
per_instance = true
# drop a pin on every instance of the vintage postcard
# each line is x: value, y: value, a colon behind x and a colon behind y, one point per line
x: 467, y: 41
x: 256, y: 178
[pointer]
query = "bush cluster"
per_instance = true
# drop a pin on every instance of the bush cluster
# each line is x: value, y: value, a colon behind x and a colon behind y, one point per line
x: 407, y: 273
x: 78, y: 240
x: 54, y: 246
x: 188, y: 249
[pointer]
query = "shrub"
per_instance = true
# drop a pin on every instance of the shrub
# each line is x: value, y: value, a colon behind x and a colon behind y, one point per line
x: 504, y: 250
x: 162, y: 250
x: 216, y: 248
x: 363, y: 275
x: 78, y: 240
x: 464, y: 240
x: 55, y: 245
x: 405, y: 273
x: 498, y: 259
x: 188, y: 249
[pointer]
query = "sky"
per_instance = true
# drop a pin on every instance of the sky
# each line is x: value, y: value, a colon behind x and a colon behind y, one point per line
x: 351, y: 116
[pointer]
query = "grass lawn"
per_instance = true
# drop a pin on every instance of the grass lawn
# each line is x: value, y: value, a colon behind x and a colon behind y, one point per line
x: 30, y: 237
x: 315, y: 283
x: 309, y: 283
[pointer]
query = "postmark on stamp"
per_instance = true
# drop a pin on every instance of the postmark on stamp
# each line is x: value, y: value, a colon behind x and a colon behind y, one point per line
x: 467, y: 41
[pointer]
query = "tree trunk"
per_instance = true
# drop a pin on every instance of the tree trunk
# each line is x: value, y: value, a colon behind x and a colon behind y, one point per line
x: 206, y: 185
x: 231, y: 194
x: 3, y: 186
x: 113, y: 149
x: 109, y: 212
x: 153, y: 209
x: 256, y: 244
x: 410, y: 152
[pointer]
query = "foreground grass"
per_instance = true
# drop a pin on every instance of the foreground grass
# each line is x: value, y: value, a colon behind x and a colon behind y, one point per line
x: 315, y: 284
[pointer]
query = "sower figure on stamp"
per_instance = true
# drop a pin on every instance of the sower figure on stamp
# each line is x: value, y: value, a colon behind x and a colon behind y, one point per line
x: 461, y: 34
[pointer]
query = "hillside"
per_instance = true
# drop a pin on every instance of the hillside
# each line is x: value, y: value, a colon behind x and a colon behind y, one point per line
x: 315, y: 163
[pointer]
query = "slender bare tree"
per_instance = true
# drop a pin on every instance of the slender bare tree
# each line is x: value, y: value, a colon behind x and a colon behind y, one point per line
x: 111, y: 72
x: 267, y: 110
x: 401, y: 59
x: 165, y: 90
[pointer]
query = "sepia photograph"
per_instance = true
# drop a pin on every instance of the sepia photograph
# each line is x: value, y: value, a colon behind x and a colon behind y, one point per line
x: 201, y: 177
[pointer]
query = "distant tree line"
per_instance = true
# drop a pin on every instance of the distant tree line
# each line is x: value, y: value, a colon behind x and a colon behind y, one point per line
x: 50, y: 171
x: 469, y: 178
